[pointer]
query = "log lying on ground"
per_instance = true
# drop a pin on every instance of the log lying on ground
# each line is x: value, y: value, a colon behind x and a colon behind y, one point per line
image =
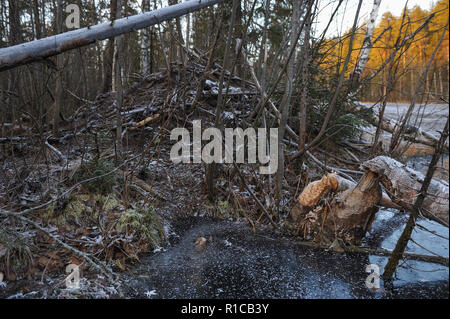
x: 335, y: 208
x: 412, y: 133
x: 43, y: 48
x: 403, y: 185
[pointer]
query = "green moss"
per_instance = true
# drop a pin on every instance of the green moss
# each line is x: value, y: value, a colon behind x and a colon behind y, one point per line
x: 82, y: 209
x: 144, y: 223
x: 223, y: 208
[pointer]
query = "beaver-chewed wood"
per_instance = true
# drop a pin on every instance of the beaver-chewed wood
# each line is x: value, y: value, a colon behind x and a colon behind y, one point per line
x: 326, y: 213
x: 334, y: 208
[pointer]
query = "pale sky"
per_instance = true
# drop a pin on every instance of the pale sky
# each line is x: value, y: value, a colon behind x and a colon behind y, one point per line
x: 344, y: 21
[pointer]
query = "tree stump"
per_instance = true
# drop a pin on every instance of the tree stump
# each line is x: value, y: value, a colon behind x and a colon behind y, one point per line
x: 335, y: 209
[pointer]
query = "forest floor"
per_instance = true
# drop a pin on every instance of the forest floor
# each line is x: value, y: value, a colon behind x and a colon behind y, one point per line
x: 147, y: 221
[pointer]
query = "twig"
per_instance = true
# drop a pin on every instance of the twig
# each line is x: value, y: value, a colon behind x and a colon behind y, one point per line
x: 56, y: 151
x: 99, y: 266
x: 145, y: 121
x: 29, y: 210
x: 254, y: 196
x: 383, y: 252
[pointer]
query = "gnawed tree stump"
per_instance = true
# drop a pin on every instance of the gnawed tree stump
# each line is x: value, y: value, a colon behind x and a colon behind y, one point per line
x: 325, y: 214
x: 336, y: 210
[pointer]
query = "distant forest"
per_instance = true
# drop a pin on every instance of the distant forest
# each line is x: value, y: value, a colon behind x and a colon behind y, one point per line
x: 410, y: 61
x: 87, y: 72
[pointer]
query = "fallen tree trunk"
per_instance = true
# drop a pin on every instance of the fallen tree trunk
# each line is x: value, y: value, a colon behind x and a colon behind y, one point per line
x: 43, y: 48
x: 412, y: 133
x: 403, y: 185
x: 336, y: 209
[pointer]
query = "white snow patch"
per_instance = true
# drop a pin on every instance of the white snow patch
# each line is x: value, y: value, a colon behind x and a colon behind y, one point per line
x: 228, y: 115
x: 158, y: 249
x: 150, y: 293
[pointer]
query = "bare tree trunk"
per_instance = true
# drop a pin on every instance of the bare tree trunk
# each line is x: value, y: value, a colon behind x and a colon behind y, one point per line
x: 345, y: 217
x: 211, y: 169
x: 286, y: 101
x: 59, y: 66
x: 109, y: 54
x: 304, y: 87
x: 349, y: 212
x: 180, y: 35
x: 15, y: 37
x: 37, y: 50
x: 145, y: 44
x: 117, y: 85
x: 264, y: 50
x: 403, y: 185
x: 366, y: 46
x: 37, y: 22
x: 188, y: 30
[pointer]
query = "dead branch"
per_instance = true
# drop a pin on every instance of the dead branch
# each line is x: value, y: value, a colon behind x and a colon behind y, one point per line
x: 56, y: 151
x: 369, y: 251
x: 144, y: 122
x: 411, y: 256
x: 254, y: 196
x: 96, y: 264
x: 143, y: 185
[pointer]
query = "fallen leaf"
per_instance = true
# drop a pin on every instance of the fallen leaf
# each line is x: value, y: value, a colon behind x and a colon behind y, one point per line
x: 200, y: 244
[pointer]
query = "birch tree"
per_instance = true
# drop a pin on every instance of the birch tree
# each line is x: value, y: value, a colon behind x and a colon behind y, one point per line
x: 366, y: 46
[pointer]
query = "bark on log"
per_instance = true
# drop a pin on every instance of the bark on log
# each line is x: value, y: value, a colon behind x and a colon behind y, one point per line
x: 403, y: 185
x: 43, y: 48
